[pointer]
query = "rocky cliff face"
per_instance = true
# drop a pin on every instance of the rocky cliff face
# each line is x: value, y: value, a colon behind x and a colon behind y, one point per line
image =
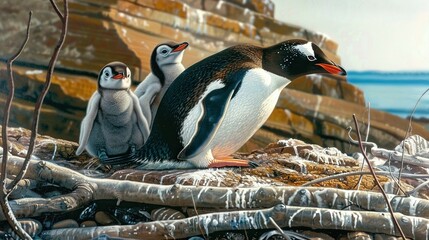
x: 314, y: 108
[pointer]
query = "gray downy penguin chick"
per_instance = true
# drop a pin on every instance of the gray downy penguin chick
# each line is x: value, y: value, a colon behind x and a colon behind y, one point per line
x: 217, y: 104
x: 114, y: 123
x: 166, y: 65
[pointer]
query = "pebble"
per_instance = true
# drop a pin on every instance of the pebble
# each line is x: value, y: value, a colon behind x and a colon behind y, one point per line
x: 67, y: 223
x: 385, y: 237
x: 104, y: 218
x: 88, y: 223
x: 356, y: 236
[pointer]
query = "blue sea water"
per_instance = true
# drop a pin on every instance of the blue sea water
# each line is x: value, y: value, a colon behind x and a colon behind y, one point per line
x: 394, y: 92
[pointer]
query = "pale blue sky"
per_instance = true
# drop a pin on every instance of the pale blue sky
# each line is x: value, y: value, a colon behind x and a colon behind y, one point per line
x: 372, y: 35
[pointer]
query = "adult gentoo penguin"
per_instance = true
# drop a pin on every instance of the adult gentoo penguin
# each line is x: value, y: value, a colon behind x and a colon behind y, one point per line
x: 114, y: 123
x: 217, y: 104
x: 166, y: 65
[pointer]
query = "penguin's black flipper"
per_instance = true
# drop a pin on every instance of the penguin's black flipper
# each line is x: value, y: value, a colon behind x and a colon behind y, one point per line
x: 215, y: 105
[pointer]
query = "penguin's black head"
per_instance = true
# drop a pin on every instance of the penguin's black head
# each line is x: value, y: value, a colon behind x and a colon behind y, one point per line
x: 294, y: 58
x: 114, y: 76
x: 165, y: 54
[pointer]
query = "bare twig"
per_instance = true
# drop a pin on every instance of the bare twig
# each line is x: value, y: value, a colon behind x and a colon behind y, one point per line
x: 347, y: 174
x: 279, y: 229
x: 62, y: 17
x: 416, y: 189
x: 395, y: 221
x: 196, y: 212
x: 412, y: 113
x: 409, y: 130
x: 366, y: 144
x: 36, y: 113
x: 375, y: 149
x: 366, y: 140
x: 10, y: 217
x: 369, y: 123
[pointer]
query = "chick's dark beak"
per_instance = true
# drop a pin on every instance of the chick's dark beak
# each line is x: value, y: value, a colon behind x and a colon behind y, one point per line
x: 332, y: 68
x: 180, y: 47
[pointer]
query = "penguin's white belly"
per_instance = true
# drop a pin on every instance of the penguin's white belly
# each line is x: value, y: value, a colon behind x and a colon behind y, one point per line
x: 246, y: 113
x: 115, y: 128
x: 240, y: 123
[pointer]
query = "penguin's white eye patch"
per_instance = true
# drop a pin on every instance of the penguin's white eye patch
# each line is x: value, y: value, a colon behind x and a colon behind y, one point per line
x: 311, y: 58
x: 164, y: 50
x: 306, y: 50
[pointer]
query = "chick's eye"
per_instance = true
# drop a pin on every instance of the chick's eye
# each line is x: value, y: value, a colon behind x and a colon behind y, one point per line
x: 311, y: 58
x: 164, y: 51
x: 106, y: 74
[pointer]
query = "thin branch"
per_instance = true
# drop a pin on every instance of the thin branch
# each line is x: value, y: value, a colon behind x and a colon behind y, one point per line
x: 60, y: 15
x: 395, y: 221
x: 366, y: 144
x: 416, y: 189
x: 279, y: 229
x: 10, y: 217
x: 373, y: 147
x: 39, y: 103
x: 6, y: 110
x: 366, y: 140
x: 412, y: 113
x: 369, y: 123
x: 196, y: 212
x: 347, y: 174
x: 409, y: 131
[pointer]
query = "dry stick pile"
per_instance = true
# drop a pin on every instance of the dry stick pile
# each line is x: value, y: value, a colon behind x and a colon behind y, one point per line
x: 313, y: 207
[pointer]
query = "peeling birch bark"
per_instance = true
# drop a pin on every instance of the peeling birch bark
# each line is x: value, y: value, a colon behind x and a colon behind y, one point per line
x: 85, y: 189
x: 284, y: 216
x: 393, y: 155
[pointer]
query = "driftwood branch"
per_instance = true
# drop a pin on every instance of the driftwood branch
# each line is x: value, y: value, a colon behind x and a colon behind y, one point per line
x: 85, y: 189
x: 284, y: 216
x: 5, y: 191
x: 393, y: 155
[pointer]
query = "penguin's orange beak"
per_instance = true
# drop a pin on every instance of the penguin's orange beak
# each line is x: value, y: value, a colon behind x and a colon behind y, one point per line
x: 180, y: 47
x: 118, y: 76
x: 333, y: 69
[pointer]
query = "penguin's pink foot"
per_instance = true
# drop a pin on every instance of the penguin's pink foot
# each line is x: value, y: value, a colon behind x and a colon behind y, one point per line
x: 231, y: 162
